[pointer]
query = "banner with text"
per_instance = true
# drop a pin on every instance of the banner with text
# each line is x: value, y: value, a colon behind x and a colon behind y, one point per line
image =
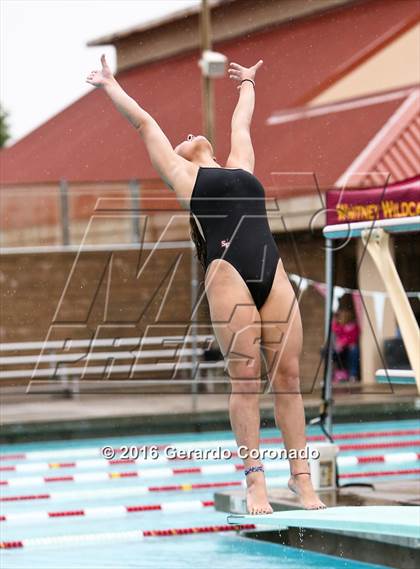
x: 401, y: 199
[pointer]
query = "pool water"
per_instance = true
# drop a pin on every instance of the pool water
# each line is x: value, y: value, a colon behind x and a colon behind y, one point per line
x: 97, y: 491
x: 216, y: 551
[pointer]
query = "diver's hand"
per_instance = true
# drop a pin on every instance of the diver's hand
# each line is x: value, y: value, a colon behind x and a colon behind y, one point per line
x: 239, y: 73
x: 103, y: 77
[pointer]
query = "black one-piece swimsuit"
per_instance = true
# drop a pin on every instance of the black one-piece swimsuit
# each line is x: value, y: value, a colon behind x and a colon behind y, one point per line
x: 229, y: 205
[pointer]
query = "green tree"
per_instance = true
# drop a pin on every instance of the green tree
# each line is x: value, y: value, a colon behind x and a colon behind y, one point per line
x: 4, y: 127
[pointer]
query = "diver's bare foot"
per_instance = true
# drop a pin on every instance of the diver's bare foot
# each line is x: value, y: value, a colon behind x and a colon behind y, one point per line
x: 302, y: 487
x: 256, y: 494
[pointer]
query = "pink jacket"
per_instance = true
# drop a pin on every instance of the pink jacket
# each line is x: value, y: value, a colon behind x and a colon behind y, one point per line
x: 345, y: 334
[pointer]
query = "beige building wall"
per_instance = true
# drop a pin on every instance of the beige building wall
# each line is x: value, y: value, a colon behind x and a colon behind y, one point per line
x: 395, y: 66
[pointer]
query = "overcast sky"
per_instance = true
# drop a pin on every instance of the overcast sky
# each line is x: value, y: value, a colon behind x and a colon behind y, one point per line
x: 43, y: 55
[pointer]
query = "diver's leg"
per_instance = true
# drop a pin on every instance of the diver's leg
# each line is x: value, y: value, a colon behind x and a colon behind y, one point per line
x: 237, y: 327
x: 282, y: 335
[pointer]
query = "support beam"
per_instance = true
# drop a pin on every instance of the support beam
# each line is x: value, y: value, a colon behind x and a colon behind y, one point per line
x: 377, y: 244
x: 375, y: 236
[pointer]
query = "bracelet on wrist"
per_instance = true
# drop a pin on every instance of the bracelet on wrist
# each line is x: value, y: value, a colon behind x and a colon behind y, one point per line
x: 252, y: 81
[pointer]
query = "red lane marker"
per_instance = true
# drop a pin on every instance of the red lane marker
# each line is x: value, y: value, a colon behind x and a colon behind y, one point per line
x: 143, y: 508
x: 186, y: 531
x: 383, y: 473
x: 215, y: 485
x: 373, y: 434
x: 28, y: 497
x: 123, y: 475
x: 366, y: 446
x: 65, y: 514
x: 361, y: 459
x: 19, y: 456
x: 61, y: 465
x: 186, y: 470
x: 58, y: 478
x: 11, y: 544
x: 165, y: 488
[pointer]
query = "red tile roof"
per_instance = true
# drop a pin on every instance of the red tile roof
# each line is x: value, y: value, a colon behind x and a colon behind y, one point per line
x: 324, y: 145
x: 90, y: 142
x: 393, y: 154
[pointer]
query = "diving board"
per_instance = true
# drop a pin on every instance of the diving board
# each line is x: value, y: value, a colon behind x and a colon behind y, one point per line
x: 402, y: 521
x: 399, y: 376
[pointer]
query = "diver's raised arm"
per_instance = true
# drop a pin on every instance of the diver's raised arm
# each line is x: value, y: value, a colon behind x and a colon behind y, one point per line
x: 127, y: 106
x: 164, y: 159
x: 241, y: 149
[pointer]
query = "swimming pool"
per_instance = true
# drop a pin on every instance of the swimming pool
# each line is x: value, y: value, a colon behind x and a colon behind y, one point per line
x: 67, y: 489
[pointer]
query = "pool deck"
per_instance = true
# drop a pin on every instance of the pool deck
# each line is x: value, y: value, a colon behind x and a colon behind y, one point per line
x: 369, y: 548
x: 38, y: 416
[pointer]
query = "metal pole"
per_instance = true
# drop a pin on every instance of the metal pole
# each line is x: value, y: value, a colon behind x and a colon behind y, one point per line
x: 194, y: 358
x: 64, y: 207
x: 208, y: 128
x: 207, y: 84
x: 135, y: 206
x: 329, y: 260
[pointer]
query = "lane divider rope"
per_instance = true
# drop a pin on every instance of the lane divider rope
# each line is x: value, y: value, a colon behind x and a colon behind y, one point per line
x: 136, y: 490
x: 95, y: 451
x: 127, y: 491
x: 109, y: 511
x: 273, y: 465
x: 118, y: 537
x: 384, y: 473
x: 104, y: 463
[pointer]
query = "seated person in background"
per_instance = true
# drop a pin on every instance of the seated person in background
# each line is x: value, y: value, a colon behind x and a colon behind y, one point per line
x: 346, y: 345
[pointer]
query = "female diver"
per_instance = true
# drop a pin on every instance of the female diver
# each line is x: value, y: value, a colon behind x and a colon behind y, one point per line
x: 252, y: 304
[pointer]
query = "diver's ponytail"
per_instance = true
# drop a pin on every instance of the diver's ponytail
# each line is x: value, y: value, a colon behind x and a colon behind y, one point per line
x: 199, y: 242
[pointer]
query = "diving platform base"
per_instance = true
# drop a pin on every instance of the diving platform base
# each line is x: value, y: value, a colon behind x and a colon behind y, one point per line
x: 377, y: 548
